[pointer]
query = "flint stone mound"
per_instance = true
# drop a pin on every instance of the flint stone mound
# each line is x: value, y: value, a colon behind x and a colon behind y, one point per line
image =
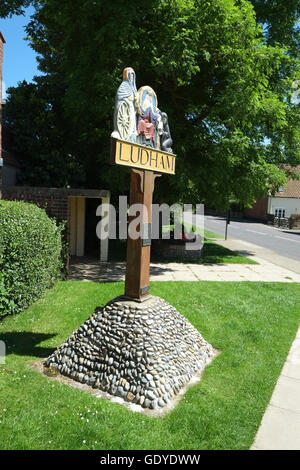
x: 144, y: 353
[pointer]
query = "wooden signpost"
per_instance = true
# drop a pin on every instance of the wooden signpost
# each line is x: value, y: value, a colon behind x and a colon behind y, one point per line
x: 141, y: 140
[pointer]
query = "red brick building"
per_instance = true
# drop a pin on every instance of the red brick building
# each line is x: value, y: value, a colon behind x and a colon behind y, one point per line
x: 259, y: 210
x: 284, y: 203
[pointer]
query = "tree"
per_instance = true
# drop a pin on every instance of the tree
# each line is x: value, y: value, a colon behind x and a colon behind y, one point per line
x: 280, y: 20
x: 13, y: 7
x: 225, y: 89
x: 39, y: 136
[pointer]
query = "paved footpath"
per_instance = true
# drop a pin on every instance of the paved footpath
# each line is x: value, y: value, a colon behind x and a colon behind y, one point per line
x: 271, y: 268
x: 280, y: 426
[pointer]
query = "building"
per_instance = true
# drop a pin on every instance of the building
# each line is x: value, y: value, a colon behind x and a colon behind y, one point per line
x: 285, y: 202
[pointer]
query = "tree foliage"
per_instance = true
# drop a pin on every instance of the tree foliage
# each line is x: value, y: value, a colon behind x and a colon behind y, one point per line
x: 40, y: 135
x: 280, y: 19
x: 226, y: 87
x: 13, y: 7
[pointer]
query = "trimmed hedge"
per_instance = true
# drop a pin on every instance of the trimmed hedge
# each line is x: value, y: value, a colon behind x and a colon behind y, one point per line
x: 30, y: 254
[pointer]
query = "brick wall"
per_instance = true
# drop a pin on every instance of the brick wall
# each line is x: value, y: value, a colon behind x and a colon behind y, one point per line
x: 258, y: 210
x: 54, y: 200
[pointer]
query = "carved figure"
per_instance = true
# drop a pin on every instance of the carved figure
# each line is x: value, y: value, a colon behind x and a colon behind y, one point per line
x: 148, y: 117
x: 137, y: 117
x: 125, y: 107
x: 166, y: 141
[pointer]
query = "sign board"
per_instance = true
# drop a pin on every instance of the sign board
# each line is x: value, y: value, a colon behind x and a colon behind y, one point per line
x: 141, y: 137
x: 139, y: 156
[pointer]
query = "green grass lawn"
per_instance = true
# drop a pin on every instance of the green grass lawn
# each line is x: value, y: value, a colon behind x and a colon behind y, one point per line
x: 209, y: 234
x: 252, y: 324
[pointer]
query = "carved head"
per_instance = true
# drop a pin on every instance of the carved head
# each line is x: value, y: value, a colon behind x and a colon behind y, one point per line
x: 129, y: 74
x: 164, y: 117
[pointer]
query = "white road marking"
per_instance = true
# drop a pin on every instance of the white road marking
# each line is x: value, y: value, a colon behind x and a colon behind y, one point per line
x: 289, y: 239
x: 254, y: 231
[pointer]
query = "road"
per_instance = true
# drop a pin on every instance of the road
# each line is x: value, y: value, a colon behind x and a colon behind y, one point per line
x: 284, y: 242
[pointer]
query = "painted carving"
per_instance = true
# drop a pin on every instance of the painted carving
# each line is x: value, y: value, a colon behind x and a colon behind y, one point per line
x: 137, y: 117
x: 165, y: 137
x: 125, y: 108
x: 148, y: 117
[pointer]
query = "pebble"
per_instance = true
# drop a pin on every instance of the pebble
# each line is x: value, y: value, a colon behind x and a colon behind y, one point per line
x: 142, y: 399
x: 150, y: 395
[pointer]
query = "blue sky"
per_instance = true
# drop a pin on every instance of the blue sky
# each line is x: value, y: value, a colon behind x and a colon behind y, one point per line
x: 19, y: 59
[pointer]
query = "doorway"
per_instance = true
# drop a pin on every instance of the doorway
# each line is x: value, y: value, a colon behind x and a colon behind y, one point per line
x: 92, y: 242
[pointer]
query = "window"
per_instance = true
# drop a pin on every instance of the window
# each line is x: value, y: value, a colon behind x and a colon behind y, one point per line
x: 279, y: 212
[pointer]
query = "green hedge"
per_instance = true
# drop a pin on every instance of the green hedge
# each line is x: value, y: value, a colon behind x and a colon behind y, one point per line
x: 30, y: 254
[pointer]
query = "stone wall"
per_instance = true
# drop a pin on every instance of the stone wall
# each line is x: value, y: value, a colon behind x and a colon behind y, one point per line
x: 295, y: 221
x: 174, y: 251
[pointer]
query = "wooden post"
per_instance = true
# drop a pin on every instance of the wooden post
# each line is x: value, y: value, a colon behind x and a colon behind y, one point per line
x: 138, y: 251
x: 227, y: 222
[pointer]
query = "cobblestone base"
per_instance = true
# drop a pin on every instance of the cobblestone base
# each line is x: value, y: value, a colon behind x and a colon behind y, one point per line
x: 144, y: 353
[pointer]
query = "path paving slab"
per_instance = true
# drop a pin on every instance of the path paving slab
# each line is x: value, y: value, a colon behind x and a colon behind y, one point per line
x: 93, y: 270
x: 258, y: 252
x: 279, y: 430
x: 287, y: 394
x: 280, y: 426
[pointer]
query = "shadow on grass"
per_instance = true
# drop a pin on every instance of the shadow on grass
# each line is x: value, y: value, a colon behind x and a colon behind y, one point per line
x: 24, y: 343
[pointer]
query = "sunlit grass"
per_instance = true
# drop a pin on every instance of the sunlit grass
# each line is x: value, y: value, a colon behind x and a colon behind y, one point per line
x: 252, y: 324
